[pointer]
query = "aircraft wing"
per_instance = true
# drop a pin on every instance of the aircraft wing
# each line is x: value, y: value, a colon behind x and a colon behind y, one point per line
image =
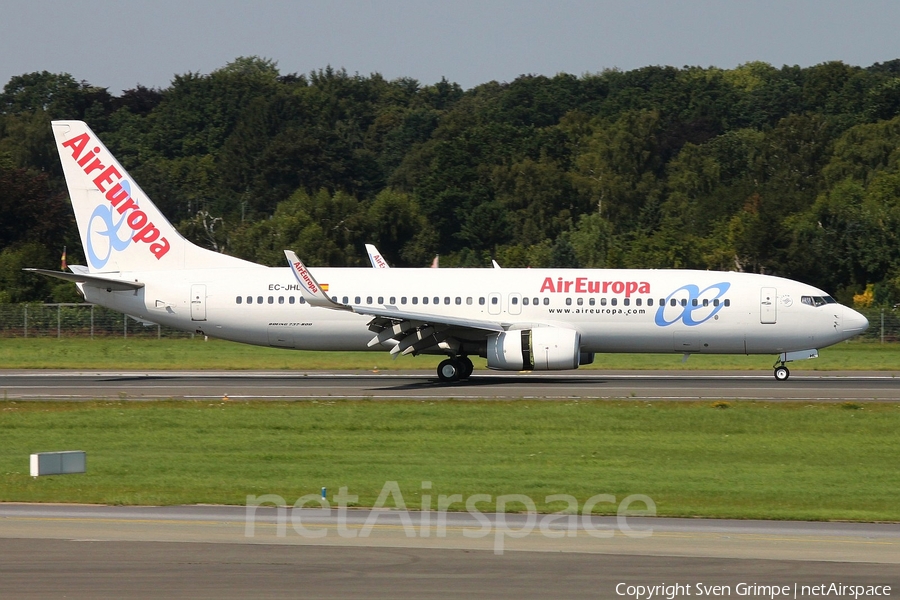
x: 108, y: 283
x: 412, y: 332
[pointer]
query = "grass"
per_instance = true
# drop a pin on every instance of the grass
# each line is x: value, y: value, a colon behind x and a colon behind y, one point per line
x: 197, y: 354
x: 750, y: 460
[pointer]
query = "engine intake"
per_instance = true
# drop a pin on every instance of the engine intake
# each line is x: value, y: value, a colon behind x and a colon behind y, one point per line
x: 538, y: 349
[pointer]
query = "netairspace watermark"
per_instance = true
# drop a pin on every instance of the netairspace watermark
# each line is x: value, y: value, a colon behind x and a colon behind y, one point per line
x: 432, y: 520
x: 756, y: 590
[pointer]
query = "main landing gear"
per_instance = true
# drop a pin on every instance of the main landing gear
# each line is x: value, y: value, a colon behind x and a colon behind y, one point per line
x: 454, y: 369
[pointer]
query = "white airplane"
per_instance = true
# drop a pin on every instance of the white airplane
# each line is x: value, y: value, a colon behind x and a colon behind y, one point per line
x: 517, y: 319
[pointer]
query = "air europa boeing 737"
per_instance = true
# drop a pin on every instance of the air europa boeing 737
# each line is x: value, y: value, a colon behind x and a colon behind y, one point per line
x: 517, y: 319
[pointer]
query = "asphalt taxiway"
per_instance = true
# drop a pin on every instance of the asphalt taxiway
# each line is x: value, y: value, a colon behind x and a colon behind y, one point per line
x: 303, y: 385
x: 206, y: 551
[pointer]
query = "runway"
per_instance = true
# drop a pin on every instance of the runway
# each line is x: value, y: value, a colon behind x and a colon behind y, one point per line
x: 304, y: 385
x: 206, y: 551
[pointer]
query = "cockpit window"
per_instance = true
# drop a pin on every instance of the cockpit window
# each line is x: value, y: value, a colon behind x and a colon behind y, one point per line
x: 817, y: 300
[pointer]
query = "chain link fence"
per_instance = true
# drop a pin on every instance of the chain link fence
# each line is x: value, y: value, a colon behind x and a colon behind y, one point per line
x: 89, y: 320
x: 75, y: 320
x: 884, y: 324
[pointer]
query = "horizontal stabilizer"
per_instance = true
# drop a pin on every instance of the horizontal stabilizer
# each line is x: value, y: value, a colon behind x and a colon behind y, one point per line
x: 107, y: 283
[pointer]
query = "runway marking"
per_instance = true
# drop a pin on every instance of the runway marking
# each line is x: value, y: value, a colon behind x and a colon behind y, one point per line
x: 650, y: 374
x: 432, y: 528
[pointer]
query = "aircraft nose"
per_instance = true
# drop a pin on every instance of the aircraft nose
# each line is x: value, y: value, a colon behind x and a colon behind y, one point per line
x: 854, y: 322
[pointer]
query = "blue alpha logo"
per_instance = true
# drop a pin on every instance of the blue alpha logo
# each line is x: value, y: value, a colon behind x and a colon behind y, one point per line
x: 103, y: 236
x: 691, y: 305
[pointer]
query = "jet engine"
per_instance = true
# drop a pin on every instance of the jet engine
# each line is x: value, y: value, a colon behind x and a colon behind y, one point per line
x: 538, y: 349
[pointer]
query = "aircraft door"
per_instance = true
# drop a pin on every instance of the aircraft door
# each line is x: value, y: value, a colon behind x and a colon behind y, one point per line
x: 767, y: 305
x: 198, y: 302
x: 515, y: 304
x: 494, y: 303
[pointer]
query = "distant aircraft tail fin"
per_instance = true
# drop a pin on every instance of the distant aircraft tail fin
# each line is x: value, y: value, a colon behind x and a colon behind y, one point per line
x: 376, y: 258
x: 120, y: 228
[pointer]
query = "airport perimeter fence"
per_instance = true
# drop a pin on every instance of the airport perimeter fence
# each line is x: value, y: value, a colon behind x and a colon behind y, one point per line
x: 90, y: 320
x: 76, y: 320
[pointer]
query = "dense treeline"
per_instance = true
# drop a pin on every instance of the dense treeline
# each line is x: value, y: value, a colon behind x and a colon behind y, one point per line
x: 791, y: 171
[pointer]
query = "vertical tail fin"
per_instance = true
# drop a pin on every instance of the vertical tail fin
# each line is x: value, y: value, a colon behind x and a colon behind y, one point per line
x: 120, y: 228
x: 375, y: 258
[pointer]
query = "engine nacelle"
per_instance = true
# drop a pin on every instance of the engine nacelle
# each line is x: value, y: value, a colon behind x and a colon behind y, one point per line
x: 538, y: 349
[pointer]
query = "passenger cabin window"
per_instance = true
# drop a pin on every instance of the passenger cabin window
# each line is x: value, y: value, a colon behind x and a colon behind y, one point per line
x: 727, y: 302
x: 437, y: 300
x: 602, y: 301
x: 447, y: 300
x: 613, y: 301
x: 626, y: 301
x: 346, y: 300
x: 481, y: 301
x: 403, y: 300
x: 495, y: 300
x: 280, y: 299
x: 568, y: 302
x: 524, y: 301
x: 271, y: 300
x: 259, y: 300
x: 249, y: 299
x: 357, y: 300
x: 637, y: 302
x: 469, y: 300
x: 290, y: 299
x: 536, y: 302
x: 546, y: 301
x: 393, y: 300
x: 514, y: 301
x: 302, y: 300
x: 649, y: 301
x: 238, y: 299
x: 415, y: 299
x: 458, y: 301
x: 424, y: 300
x: 580, y: 302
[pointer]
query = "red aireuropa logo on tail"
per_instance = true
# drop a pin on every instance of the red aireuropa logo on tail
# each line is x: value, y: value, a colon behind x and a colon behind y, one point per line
x: 109, y: 181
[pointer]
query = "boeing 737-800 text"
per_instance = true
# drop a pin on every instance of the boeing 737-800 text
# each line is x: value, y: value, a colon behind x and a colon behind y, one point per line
x: 517, y: 319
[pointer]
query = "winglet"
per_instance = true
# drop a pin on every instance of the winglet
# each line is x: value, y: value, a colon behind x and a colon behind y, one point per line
x: 309, y: 287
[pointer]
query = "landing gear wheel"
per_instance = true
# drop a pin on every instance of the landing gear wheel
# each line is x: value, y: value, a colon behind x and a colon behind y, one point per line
x: 466, y: 367
x: 782, y: 373
x: 449, y: 370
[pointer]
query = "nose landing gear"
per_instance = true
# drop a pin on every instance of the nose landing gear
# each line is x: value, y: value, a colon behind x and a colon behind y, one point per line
x: 454, y: 369
x: 782, y: 373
